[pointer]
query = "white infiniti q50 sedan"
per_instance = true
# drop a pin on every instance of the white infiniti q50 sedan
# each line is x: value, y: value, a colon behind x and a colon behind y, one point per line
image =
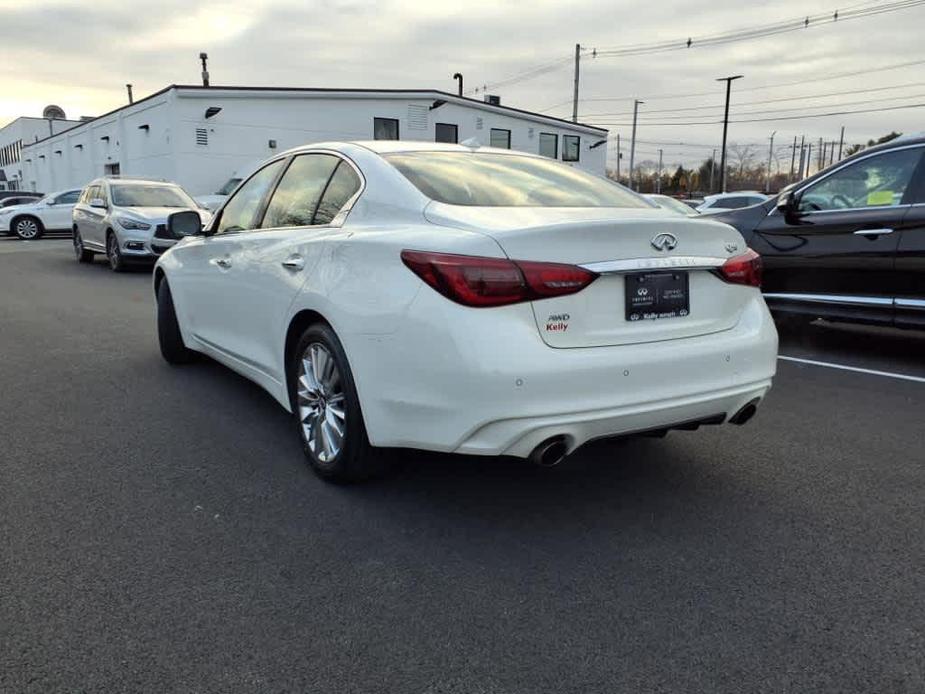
x: 465, y: 299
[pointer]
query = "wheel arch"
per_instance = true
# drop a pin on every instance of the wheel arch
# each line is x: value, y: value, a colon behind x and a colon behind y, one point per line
x: 159, y: 276
x: 297, y: 325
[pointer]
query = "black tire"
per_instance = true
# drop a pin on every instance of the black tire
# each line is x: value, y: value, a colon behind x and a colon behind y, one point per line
x: 356, y: 460
x: 27, y: 228
x: 168, y: 329
x: 113, y: 254
x: 81, y: 253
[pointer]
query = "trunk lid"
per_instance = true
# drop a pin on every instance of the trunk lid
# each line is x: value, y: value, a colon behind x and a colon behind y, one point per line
x: 595, y: 237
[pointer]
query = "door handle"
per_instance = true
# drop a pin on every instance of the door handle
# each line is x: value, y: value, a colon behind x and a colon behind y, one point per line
x: 223, y: 263
x: 873, y: 232
x: 294, y: 262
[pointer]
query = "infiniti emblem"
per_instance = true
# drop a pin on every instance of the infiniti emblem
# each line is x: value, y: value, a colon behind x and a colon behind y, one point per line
x: 664, y: 242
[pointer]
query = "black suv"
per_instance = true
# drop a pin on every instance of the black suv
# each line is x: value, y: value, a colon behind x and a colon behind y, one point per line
x: 849, y: 242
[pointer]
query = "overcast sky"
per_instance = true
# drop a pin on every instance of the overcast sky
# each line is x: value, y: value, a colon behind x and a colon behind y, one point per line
x: 80, y: 54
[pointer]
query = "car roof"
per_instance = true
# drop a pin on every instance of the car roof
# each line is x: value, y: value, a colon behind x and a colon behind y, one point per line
x: 394, y: 146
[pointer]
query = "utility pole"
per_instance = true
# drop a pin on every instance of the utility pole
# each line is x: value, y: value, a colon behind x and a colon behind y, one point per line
x: 204, y: 57
x: 809, y: 159
x: 823, y: 155
x: 722, y: 165
x: 820, y: 154
x: 658, y: 181
x: 712, y: 168
x: 633, y: 142
x: 618, y: 157
x: 575, y: 97
x: 793, y: 157
x: 841, y: 142
x: 802, y: 156
x: 767, y: 186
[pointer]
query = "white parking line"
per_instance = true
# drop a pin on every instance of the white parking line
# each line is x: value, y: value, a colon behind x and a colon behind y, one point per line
x: 843, y: 367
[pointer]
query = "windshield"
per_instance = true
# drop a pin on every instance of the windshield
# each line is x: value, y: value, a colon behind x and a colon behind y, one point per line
x: 674, y: 205
x: 229, y: 186
x: 502, y: 180
x: 150, y: 196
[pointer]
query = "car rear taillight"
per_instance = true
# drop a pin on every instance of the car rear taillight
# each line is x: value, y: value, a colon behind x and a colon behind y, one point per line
x: 477, y: 281
x: 743, y: 269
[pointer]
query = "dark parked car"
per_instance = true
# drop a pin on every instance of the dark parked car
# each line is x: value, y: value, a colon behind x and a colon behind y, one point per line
x: 849, y: 242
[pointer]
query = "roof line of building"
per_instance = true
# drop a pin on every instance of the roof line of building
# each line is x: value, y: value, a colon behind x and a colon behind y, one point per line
x: 326, y: 90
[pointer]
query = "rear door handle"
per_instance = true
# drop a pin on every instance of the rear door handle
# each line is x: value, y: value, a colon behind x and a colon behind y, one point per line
x: 873, y: 232
x: 223, y: 263
x: 294, y: 263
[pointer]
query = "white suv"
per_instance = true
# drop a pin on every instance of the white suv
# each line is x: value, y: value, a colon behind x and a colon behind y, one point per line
x: 127, y: 219
x: 30, y: 220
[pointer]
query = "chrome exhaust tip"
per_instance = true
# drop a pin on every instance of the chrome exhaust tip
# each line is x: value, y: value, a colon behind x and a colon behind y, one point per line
x: 745, y: 414
x: 550, y: 452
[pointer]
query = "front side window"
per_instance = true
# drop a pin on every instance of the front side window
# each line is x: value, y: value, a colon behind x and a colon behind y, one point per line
x: 68, y: 198
x: 549, y: 145
x: 879, y: 181
x: 508, y: 180
x: 570, y: 147
x: 296, y: 197
x: 343, y: 185
x: 500, y: 138
x: 446, y: 132
x: 127, y: 195
x: 385, y: 128
x: 239, y: 212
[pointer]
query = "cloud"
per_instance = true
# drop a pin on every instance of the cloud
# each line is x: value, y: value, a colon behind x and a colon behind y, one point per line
x: 81, y: 54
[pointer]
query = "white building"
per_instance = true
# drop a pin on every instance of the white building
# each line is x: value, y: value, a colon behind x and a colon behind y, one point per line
x: 20, y: 132
x: 201, y: 136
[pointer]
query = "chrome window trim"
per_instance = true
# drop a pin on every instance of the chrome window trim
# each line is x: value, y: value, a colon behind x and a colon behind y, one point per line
x: 910, y: 303
x: 687, y: 262
x: 845, y: 299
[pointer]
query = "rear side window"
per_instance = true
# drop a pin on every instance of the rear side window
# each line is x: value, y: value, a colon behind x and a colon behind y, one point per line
x: 343, y: 185
x: 501, y: 180
x: 296, y: 197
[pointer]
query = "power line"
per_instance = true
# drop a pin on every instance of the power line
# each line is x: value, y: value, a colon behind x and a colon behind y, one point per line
x: 756, y: 32
x: 765, y: 87
x: 781, y: 118
x: 766, y: 101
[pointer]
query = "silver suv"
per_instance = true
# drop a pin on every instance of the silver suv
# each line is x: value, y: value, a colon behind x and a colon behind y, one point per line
x: 127, y: 219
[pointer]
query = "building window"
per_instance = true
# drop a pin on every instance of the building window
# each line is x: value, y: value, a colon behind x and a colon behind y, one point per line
x: 112, y: 169
x: 570, y: 147
x: 549, y: 145
x: 385, y: 128
x: 500, y: 138
x: 446, y: 132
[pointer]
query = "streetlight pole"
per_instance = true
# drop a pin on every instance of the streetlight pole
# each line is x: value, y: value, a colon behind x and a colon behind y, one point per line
x: 658, y: 181
x: 722, y: 165
x: 575, y: 97
x: 618, y: 157
x: 767, y: 186
x: 633, y: 142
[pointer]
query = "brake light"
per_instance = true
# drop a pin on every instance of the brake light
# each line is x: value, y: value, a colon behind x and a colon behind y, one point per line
x: 482, y: 282
x: 743, y: 269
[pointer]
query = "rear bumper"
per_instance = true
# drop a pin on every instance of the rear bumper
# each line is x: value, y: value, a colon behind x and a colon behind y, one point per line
x: 483, y: 382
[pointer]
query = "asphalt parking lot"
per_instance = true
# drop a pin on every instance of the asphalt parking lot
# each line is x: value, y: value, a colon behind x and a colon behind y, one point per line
x: 161, y: 533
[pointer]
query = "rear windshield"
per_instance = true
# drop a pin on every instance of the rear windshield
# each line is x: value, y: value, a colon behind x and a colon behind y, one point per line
x: 484, y: 179
x: 150, y: 196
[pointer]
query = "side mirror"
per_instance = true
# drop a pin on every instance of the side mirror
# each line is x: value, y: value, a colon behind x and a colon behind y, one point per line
x: 788, y: 204
x: 185, y: 223
x: 98, y: 202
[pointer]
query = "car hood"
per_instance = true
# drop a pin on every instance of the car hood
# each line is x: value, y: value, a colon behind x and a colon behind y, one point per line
x: 158, y: 215
x: 212, y: 202
x: 745, y: 219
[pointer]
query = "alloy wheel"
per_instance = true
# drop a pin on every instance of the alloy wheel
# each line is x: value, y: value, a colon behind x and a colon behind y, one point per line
x: 27, y: 229
x: 113, y: 252
x: 321, y: 404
